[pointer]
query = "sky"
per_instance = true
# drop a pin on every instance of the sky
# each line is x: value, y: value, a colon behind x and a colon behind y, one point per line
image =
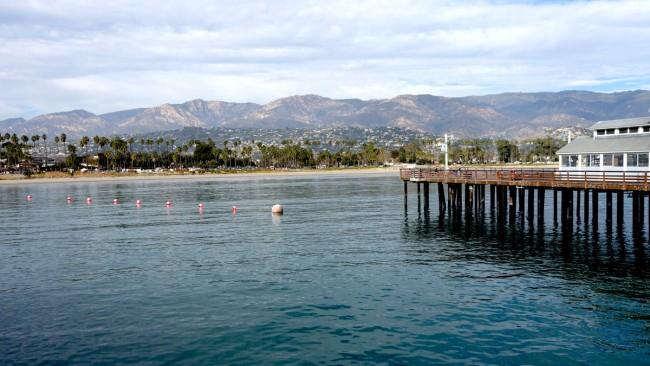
x: 112, y: 55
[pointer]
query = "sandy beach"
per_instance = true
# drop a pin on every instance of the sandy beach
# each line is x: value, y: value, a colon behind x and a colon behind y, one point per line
x: 113, y: 177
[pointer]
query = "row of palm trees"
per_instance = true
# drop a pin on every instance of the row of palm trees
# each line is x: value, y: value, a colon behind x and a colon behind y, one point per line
x: 117, y: 153
x: 15, y: 149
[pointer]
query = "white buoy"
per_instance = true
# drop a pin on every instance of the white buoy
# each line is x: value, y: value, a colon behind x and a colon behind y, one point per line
x: 201, y: 206
x: 89, y: 200
x: 138, y: 202
x: 69, y: 199
x: 277, y: 209
x: 168, y: 203
x: 233, y: 210
x: 29, y: 197
x: 116, y: 201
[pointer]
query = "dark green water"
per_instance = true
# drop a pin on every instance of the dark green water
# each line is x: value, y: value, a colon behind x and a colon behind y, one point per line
x: 347, y: 276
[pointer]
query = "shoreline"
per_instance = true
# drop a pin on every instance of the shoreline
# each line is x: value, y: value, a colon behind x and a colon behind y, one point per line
x: 203, y: 176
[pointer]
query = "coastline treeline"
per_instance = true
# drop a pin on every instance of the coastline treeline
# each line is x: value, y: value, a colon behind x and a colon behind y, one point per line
x: 34, y: 153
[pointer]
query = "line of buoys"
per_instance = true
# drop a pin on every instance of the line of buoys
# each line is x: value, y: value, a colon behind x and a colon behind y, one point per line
x: 276, y: 209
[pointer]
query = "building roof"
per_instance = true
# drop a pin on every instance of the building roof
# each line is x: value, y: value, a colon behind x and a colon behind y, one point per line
x: 616, y: 123
x: 607, y: 145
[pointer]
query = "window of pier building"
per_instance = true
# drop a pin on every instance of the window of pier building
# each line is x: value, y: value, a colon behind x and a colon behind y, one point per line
x: 637, y: 160
x: 569, y: 160
x: 613, y: 160
x: 623, y: 130
x: 610, y: 131
x: 591, y: 160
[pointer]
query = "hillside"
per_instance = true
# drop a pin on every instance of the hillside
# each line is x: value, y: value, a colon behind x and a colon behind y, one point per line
x: 510, y: 114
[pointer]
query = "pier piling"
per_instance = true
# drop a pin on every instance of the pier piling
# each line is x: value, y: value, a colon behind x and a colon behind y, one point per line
x: 620, y: 196
x: 492, y: 198
x: 594, y: 210
x: 555, y: 206
x: 608, y: 208
x: 541, y: 195
x: 531, y: 204
x: 586, y: 207
x: 426, y: 196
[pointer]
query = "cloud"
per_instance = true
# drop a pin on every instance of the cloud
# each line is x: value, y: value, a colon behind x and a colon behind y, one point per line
x: 77, y: 54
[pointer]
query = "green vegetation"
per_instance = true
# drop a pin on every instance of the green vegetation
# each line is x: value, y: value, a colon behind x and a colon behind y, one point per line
x: 119, y: 154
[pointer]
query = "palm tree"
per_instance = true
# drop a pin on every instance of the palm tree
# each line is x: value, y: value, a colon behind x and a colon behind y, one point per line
x: 44, y: 137
x: 247, y: 151
x: 103, y: 141
x: 96, y: 140
x: 56, y: 142
x: 236, y: 143
x: 83, y: 142
x: 120, y: 148
x: 63, y: 140
x: 185, y: 149
x: 225, y: 152
x: 72, y: 150
x: 130, y: 142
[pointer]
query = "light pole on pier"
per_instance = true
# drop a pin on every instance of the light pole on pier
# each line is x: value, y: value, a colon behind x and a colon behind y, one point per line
x: 445, y: 149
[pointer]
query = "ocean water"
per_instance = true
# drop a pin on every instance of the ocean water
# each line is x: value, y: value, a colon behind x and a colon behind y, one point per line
x: 350, y: 274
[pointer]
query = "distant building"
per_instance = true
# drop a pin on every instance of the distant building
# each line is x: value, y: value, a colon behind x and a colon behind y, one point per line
x: 620, y: 145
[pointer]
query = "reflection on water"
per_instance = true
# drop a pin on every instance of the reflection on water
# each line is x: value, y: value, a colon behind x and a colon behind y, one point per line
x: 617, y: 252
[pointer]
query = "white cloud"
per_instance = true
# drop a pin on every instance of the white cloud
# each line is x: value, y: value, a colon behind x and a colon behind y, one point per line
x: 77, y: 54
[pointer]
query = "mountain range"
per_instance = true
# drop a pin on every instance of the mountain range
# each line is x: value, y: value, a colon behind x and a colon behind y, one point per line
x: 509, y: 115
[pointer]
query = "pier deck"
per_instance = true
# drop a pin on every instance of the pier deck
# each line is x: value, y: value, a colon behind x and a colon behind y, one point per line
x: 542, y: 178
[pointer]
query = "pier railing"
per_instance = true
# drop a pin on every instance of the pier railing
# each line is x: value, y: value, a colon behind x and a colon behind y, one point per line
x: 615, y: 180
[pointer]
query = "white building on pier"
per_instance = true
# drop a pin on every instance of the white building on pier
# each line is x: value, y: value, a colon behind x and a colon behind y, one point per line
x: 616, y: 145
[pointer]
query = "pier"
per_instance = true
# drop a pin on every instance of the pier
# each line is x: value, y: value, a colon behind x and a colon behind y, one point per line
x: 522, y: 193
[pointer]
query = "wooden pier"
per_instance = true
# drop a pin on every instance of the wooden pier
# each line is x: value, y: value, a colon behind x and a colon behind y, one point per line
x: 522, y: 192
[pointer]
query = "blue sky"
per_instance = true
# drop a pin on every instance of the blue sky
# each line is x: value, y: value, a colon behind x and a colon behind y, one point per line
x: 62, y: 55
